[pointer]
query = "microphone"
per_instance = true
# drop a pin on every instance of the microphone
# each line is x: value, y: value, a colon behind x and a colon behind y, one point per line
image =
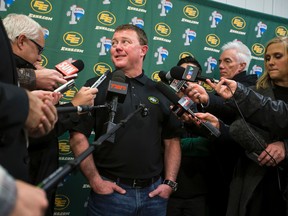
x: 80, y: 108
x: 183, y: 105
x: 117, y: 91
x: 65, y: 87
x: 175, y: 84
x: 100, y: 79
x: 67, y: 68
x: 253, y: 139
x: 190, y: 73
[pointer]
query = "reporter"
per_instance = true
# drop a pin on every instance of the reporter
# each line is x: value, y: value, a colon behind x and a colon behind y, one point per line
x: 27, y: 41
x: 18, y: 198
x: 276, y: 121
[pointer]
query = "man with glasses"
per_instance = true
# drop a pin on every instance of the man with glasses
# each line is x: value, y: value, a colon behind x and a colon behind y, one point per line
x: 27, y: 40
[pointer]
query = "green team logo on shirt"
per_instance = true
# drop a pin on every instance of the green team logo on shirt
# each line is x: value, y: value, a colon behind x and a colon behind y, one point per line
x: 153, y: 100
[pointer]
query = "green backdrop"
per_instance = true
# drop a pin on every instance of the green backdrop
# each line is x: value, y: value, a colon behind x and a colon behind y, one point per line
x: 82, y: 29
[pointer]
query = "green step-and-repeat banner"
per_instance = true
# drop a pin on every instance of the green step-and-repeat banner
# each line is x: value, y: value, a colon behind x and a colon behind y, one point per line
x: 82, y: 29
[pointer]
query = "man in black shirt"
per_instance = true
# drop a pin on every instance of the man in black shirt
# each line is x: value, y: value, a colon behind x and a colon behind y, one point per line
x: 125, y: 175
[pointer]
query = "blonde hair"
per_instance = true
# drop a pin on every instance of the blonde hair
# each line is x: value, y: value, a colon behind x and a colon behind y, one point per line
x: 265, y: 81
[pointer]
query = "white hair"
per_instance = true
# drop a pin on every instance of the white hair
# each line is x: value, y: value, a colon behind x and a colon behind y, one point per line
x: 243, y: 52
x: 16, y: 24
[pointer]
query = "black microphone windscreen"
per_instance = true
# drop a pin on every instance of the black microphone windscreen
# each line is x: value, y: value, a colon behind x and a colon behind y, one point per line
x: 177, y: 72
x: 168, y: 92
x: 162, y: 75
x: 118, y: 76
x: 79, y: 64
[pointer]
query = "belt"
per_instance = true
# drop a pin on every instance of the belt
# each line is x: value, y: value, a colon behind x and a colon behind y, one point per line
x: 134, y: 183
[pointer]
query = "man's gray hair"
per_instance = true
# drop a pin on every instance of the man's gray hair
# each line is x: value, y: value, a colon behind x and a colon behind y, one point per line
x: 243, y: 52
x: 16, y: 24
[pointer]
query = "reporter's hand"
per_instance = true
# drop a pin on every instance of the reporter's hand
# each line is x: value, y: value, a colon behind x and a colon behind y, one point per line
x: 196, y: 93
x: 208, y: 117
x: 276, y: 150
x: 30, y: 200
x: 42, y: 116
x: 226, y: 91
x: 85, y: 96
x: 48, y: 79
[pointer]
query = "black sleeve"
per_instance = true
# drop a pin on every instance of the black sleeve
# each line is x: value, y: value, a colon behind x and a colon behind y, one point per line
x: 12, y: 99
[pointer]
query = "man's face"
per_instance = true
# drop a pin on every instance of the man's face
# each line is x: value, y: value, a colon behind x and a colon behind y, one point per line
x: 29, y: 49
x: 229, y: 64
x: 126, y: 51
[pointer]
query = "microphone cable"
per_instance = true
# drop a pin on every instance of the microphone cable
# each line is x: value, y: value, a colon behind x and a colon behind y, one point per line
x: 249, y: 129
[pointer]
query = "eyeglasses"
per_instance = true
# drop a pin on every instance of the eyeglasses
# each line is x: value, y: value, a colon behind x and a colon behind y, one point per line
x: 40, y: 48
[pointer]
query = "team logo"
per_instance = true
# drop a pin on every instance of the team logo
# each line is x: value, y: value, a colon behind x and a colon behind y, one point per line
x: 73, y: 38
x: 165, y: 7
x: 106, y: 18
x: 46, y: 33
x: 281, y: 31
x: 161, y: 55
x: 100, y: 68
x: 64, y: 147
x: 104, y: 45
x: 258, y: 49
x: 163, y: 29
x: 137, y: 22
x: 155, y: 76
x: 215, y: 18
x: 4, y: 4
x: 185, y: 54
x: 153, y: 100
x: 61, y: 202
x: 43, y: 7
x: 213, y: 40
x: 189, y: 36
x: 210, y: 64
x: 106, y: 2
x: 191, y: 11
x: 261, y: 28
x: 75, y: 13
x: 256, y: 70
x: 138, y: 2
x: 69, y: 95
x: 44, y: 61
x: 238, y: 23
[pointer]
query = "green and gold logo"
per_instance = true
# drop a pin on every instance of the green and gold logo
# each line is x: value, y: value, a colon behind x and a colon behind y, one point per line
x: 73, y: 38
x: 163, y: 29
x: 61, y: 202
x: 64, y: 147
x: 281, y: 31
x: 138, y: 2
x: 42, y: 7
x: 155, y: 76
x: 100, y: 68
x: 212, y: 40
x: 238, y: 23
x: 106, y: 18
x: 184, y: 55
x: 153, y: 100
x: 258, y: 49
x: 191, y: 11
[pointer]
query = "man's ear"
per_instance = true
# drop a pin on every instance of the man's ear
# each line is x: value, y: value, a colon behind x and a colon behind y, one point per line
x: 242, y: 66
x: 20, y: 41
x: 144, y: 49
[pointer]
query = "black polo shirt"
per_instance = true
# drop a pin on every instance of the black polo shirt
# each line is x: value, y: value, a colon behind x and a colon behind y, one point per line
x: 137, y: 151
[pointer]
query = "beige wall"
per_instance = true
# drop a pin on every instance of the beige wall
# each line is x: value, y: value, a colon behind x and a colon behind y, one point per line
x: 272, y: 7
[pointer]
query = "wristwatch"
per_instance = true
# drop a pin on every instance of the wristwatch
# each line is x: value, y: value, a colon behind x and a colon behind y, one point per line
x: 172, y: 184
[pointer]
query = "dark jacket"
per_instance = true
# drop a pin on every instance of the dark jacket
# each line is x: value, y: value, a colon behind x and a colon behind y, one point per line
x: 13, y: 145
x: 255, y: 189
x: 257, y: 106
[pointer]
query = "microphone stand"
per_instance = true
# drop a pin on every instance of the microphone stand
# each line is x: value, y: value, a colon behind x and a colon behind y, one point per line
x: 55, y: 177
